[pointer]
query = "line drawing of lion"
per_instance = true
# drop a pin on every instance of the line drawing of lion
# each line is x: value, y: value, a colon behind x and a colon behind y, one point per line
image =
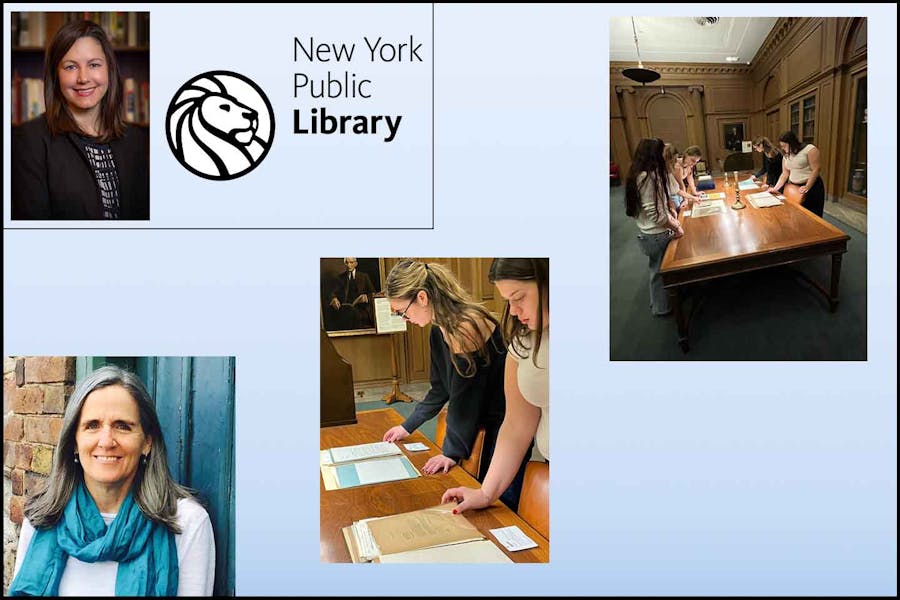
x: 212, y: 131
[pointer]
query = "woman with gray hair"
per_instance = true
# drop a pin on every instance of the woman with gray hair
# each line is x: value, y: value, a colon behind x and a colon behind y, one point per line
x: 111, y: 520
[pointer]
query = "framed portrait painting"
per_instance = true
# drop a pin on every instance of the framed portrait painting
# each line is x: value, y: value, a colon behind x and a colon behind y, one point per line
x: 348, y: 287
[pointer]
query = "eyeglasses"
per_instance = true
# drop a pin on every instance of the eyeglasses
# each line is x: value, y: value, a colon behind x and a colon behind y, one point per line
x: 402, y: 315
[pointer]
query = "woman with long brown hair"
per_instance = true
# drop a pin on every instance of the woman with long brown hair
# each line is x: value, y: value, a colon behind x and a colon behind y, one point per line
x: 525, y: 284
x: 646, y: 200
x: 79, y: 160
x: 801, y: 167
x: 771, y: 161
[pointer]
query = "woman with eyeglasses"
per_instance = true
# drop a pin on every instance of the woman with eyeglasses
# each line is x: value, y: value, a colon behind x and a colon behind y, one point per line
x: 467, y: 366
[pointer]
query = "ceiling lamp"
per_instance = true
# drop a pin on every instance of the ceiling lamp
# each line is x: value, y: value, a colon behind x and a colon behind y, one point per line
x: 639, y: 74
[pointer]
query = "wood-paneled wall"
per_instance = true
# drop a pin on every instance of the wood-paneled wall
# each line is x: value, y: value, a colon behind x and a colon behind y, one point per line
x: 370, y: 354
x: 801, y: 56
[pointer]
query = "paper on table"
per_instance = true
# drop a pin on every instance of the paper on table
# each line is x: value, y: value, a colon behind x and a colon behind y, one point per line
x: 363, y: 451
x: 425, y: 528
x: 482, y: 551
x: 763, y: 199
x: 747, y: 185
x: 513, y: 538
x: 416, y: 447
x: 377, y: 471
x: 715, y: 196
x: 714, y: 207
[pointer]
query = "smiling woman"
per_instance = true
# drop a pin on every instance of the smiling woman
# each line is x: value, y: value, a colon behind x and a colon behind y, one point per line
x: 111, y: 520
x: 79, y: 160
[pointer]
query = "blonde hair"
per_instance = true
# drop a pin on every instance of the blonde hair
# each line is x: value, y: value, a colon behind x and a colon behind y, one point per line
x: 670, y: 153
x: 454, y: 310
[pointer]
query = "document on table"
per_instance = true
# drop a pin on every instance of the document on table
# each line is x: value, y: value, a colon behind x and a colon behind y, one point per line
x: 763, y: 199
x: 378, y: 470
x: 513, y: 538
x: 747, y: 184
x: 416, y: 447
x: 713, y: 196
x: 714, y: 207
x: 482, y: 551
x: 359, y: 452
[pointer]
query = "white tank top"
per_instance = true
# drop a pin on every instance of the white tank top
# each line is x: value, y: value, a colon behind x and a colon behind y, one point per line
x: 798, y: 165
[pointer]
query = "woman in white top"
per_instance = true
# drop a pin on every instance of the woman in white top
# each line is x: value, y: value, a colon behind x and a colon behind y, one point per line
x: 111, y: 520
x: 801, y: 167
x: 683, y: 168
x: 525, y: 283
x: 646, y: 200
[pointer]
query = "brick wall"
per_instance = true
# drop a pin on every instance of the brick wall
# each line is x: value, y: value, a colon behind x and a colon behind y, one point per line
x: 35, y: 390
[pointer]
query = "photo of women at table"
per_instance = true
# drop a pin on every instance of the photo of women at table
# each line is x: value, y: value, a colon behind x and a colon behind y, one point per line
x: 84, y: 157
x: 441, y: 415
x: 744, y: 251
x: 123, y: 500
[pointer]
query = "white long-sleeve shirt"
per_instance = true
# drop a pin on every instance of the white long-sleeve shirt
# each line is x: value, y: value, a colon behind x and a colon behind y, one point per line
x: 195, y: 546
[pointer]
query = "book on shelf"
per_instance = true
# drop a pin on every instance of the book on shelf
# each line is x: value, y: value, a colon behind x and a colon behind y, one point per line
x: 130, y: 100
x: 430, y: 535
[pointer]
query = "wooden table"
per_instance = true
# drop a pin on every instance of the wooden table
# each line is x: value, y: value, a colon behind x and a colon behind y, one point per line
x: 737, y: 241
x: 339, y: 508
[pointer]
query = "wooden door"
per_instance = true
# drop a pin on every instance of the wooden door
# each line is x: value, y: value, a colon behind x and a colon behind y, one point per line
x: 668, y: 121
x: 773, y: 126
x: 194, y: 400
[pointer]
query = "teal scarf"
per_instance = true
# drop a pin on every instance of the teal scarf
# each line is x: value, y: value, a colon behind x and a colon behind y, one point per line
x: 144, y: 549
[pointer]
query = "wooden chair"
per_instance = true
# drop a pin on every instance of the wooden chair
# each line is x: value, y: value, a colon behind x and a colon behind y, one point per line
x: 470, y: 464
x: 791, y: 193
x: 534, y: 501
x: 738, y: 161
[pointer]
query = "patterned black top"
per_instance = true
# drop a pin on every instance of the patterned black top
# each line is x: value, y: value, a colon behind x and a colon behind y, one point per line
x: 100, y: 158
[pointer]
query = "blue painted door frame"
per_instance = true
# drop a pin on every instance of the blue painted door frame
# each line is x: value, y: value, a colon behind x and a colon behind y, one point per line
x: 194, y: 399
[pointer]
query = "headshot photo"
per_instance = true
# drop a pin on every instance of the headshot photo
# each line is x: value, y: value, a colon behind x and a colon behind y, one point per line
x: 80, y: 116
x: 738, y: 205
x: 119, y: 476
x: 448, y: 413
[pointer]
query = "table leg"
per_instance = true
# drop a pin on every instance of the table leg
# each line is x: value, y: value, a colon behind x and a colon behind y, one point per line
x: 835, y: 279
x: 680, y: 320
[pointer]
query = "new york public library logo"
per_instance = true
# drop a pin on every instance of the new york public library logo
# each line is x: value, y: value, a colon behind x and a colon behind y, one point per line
x: 220, y: 125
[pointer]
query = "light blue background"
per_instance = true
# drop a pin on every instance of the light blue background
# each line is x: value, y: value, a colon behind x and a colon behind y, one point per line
x: 669, y: 478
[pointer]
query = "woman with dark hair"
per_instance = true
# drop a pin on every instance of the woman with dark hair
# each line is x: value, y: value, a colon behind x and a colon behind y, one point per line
x: 467, y: 362
x: 771, y: 161
x: 646, y: 198
x: 110, y: 519
x: 801, y: 167
x: 525, y: 284
x: 79, y: 160
x: 684, y: 173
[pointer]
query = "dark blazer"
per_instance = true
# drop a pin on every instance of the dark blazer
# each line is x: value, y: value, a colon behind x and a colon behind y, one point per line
x: 52, y: 179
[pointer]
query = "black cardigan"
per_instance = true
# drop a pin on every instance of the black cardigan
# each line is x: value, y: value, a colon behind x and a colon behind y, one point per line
x: 52, y: 179
x: 474, y: 401
x: 771, y: 167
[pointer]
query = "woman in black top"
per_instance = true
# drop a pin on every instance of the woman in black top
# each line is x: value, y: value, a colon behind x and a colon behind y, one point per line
x: 771, y: 166
x: 79, y: 160
x: 467, y: 365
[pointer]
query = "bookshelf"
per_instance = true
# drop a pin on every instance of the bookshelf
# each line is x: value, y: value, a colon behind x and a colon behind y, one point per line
x: 32, y: 31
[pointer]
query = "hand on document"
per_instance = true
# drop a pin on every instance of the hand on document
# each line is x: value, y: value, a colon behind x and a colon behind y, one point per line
x: 466, y: 498
x: 395, y: 433
x: 438, y: 463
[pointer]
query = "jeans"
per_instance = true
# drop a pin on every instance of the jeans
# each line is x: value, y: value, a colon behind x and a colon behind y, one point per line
x: 653, y: 245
